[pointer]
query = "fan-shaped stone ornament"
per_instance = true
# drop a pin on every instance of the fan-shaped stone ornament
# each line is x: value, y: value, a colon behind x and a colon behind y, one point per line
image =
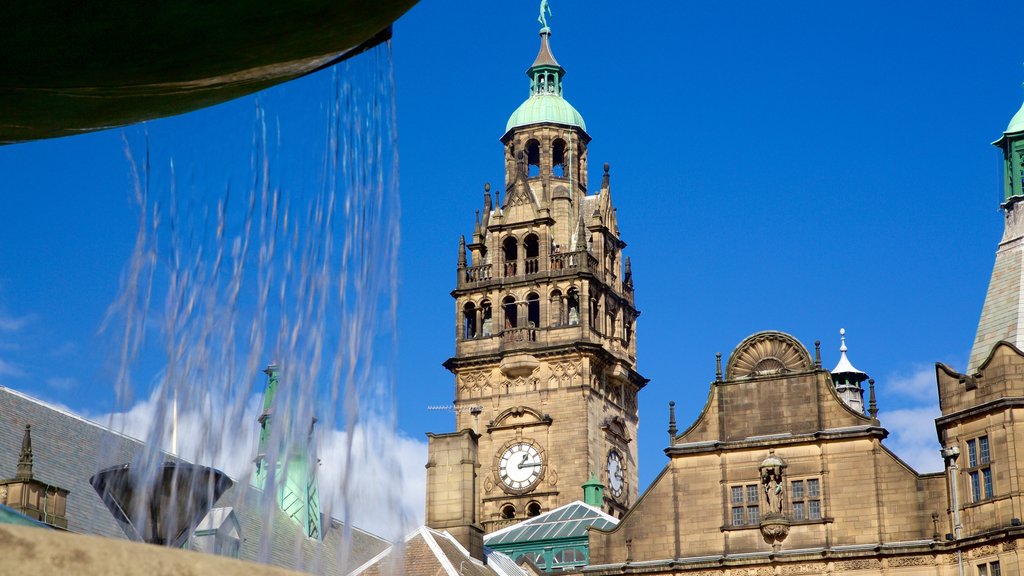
x: 767, y: 354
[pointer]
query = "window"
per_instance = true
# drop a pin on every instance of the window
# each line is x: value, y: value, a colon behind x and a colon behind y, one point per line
x: 990, y: 569
x: 979, y: 471
x: 745, y: 504
x: 805, y: 496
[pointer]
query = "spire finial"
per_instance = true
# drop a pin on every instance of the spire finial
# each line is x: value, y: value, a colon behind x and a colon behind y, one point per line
x: 672, y: 423
x: 462, y: 251
x: 24, y: 471
x: 872, y: 405
x: 545, y: 11
x: 606, y: 179
x: 842, y: 339
x: 718, y: 366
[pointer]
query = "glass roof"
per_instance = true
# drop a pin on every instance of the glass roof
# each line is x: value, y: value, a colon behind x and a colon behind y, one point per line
x: 11, y: 516
x: 569, y: 521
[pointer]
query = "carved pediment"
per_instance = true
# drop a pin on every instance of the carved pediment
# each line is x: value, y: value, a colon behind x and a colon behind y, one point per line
x: 517, y: 417
x: 767, y: 354
x: 616, y: 426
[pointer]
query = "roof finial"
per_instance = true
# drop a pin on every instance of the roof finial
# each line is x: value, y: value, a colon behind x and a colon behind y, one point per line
x: 842, y: 340
x: 817, y: 354
x: 24, y: 471
x: 718, y: 366
x: 462, y: 251
x: 872, y: 404
x: 672, y: 423
x: 545, y: 11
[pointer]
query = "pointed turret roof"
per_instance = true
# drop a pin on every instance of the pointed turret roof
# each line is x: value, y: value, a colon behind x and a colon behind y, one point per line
x: 544, y: 55
x: 844, y: 366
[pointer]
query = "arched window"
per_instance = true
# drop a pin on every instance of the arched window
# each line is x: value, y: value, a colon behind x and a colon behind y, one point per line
x: 533, y: 310
x: 486, y: 328
x: 536, y: 557
x: 508, y: 512
x: 570, y: 556
x: 531, y: 250
x: 510, y: 252
x: 574, y: 306
x: 557, y: 315
x: 469, y: 321
x: 533, y: 509
x: 533, y: 158
x: 558, y: 160
x: 508, y: 307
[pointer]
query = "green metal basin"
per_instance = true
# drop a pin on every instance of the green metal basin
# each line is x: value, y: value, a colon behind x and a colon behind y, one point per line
x: 72, y: 67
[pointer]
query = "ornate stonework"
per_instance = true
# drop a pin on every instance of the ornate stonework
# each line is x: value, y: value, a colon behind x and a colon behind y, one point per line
x: 766, y: 354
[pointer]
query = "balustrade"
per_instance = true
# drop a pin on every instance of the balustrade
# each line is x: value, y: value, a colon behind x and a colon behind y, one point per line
x: 480, y: 273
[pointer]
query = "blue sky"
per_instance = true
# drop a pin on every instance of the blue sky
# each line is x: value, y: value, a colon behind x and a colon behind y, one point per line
x: 798, y: 166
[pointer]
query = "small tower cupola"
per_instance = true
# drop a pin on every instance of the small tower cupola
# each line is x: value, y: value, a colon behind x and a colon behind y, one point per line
x: 1012, y: 145
x: 546, y: 104
x: 847, y: 379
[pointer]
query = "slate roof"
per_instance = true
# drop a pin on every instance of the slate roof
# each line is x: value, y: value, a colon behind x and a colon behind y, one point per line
x: 68, y: 449
x: 429, y: 552
x: 569, y: 521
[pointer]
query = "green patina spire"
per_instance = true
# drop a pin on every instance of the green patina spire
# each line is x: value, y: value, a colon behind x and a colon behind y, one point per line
x: 593, y: 492
x: 294, y: 468
x: 1012, y: 145
x: 546, y: 103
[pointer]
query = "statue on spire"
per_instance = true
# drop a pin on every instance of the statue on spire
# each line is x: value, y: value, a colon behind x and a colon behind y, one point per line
x: 545, y: 11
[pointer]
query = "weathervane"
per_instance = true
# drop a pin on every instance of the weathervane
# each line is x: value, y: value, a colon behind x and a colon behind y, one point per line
x: 545, y: 11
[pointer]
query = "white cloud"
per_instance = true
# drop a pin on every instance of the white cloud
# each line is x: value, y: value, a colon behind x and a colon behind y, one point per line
x: 9, y: 369
x: 10, y: 323
x: 62, y: 383
x: 918, y: 385
x: 386, y: 480
x: 912, y: 436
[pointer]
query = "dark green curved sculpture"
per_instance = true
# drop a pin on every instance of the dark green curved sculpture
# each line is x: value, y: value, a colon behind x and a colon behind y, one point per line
x: 72, y: 67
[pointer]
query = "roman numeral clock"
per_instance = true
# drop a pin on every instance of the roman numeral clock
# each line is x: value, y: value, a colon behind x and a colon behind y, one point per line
x: 520, y: 466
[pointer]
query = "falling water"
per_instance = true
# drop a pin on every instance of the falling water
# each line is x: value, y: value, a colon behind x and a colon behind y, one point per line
x: 289, y: 259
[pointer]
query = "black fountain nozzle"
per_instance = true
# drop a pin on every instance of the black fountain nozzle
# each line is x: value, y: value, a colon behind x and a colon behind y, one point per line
x: 162, y: 507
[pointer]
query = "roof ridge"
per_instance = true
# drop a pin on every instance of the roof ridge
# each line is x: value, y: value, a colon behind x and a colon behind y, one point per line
x: 443, y: 560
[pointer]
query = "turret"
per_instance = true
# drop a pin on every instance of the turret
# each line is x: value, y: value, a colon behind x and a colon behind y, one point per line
x: 847, y: 379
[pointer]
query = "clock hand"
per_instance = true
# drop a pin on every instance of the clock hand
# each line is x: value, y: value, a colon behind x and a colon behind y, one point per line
x: 525, y: 464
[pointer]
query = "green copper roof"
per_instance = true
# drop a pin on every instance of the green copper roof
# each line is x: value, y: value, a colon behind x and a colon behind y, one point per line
x: 1017, y: 122
x: 545, y: 108
x: 569, y: 521
x: 545, y: 104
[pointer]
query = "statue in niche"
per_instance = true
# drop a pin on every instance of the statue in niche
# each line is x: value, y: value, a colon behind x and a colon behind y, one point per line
x: 773, y: 484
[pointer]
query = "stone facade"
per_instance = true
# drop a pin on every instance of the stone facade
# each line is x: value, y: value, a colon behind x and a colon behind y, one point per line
x: 785, y: 471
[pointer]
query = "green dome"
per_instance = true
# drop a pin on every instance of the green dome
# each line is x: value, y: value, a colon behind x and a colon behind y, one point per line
x: 545, y: 108
x: 1016, y: 123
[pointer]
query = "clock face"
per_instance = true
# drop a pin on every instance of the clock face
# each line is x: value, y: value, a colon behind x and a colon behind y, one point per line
x: 615, y: 474
x: 520, y: 466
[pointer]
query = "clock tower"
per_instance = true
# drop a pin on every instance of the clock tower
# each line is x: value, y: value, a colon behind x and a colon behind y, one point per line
x: 545, y: 334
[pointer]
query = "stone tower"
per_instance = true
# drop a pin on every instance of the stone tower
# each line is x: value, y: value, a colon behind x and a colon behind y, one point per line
x: 545, y: 346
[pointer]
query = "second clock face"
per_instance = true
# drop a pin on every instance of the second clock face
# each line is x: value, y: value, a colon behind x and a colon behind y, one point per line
x: 520, y: 466
x: 615, y: 473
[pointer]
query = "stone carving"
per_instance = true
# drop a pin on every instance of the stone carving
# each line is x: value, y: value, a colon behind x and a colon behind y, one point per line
x: 803, y: 569
x: 844, y: 565
x: 1014, y: 227
x: 909, y: 561
x: 774, y: 524
x: 772, y: 482
x: 767, y: 353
